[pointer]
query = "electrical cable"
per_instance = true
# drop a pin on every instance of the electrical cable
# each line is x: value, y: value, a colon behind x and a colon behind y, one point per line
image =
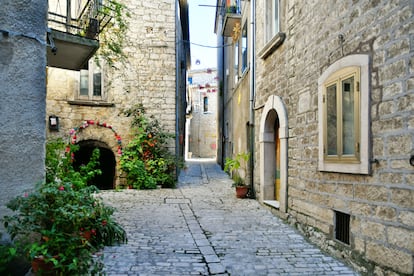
x: 207, y: 46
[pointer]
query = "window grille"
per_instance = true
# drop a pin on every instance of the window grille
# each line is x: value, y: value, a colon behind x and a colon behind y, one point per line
x: 342, y: 227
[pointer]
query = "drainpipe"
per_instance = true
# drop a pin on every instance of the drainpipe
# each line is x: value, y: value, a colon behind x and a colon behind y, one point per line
x: 220, y: 73
x: 252, y: 91
x: 177, y: 90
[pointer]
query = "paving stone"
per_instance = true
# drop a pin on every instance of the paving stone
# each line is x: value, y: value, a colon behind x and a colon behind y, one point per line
x: 201, y: 228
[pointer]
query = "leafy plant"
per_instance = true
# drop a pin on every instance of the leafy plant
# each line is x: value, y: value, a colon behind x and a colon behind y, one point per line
x: 51, y: 220
x: 7, y: 253
x: 233, y: 166
x: 146, y: 160
x: 112, y: 38
x: 59, y: 164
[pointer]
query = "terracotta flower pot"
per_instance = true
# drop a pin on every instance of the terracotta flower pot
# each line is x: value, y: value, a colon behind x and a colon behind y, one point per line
x: 39, y: 264
x: 241, y: 191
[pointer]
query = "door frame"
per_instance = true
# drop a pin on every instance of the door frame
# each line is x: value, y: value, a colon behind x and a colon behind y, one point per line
x: 274, y: 109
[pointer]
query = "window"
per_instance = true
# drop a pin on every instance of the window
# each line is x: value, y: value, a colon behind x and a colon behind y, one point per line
x: 341, y: 110
x: 343, y: 104
x: 91, y: 83
x: 244, y: 48
x: 272, y: 19
x: 205, y: 104
x: 273, y: 37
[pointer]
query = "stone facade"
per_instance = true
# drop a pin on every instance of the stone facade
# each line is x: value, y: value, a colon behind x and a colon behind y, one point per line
x: 202, y: 136
x: 314, y: 37
x: 22, y: 103
x: 153, y: 75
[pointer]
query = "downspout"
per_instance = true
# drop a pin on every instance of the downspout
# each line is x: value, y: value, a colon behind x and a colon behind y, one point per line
x: 221, y: 100
x: 177, y: 89
x: 252, y: 92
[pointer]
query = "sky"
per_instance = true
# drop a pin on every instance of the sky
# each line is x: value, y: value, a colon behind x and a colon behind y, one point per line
x: 202, y: 21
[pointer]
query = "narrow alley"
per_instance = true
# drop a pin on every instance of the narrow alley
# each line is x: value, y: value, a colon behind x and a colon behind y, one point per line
x: 201, y: 228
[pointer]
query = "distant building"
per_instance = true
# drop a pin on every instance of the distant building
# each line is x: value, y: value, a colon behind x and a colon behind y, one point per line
x: 321, y: 96
x: 202, y: 113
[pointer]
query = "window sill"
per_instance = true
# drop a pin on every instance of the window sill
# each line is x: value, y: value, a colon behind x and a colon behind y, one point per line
x: 272, y: 45
x: 356, y: 168
x: 91, y: 103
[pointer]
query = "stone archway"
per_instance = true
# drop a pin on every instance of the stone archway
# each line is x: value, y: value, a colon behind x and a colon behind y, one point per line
x: 104, y: 139
x: 107, y: 162
x: 273, y: 145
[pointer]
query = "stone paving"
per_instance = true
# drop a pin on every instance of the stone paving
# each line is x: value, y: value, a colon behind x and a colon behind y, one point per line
x: 201, y: 228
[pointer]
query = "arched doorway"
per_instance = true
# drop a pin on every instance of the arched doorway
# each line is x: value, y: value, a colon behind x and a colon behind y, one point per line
x: 107, y: 162
x: 273, y: 154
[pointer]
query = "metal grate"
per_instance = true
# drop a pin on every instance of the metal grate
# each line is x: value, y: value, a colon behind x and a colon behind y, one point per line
x: 342, y: 227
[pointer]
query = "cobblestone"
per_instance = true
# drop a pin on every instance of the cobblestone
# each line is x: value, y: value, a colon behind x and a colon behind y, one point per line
x: 201, y: 228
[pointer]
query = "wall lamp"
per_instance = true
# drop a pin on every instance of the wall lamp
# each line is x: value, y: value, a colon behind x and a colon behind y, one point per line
x: 53, y: 122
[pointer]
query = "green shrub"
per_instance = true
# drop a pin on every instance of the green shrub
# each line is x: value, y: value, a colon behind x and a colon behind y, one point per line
x: 146, y: 160
x: 51, y: 220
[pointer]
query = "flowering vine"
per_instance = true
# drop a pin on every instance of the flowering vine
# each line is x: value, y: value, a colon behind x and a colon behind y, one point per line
x: 73, y: 133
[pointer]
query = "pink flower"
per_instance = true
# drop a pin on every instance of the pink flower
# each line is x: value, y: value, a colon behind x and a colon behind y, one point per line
x: 26, y: 194
x: 61, y: 188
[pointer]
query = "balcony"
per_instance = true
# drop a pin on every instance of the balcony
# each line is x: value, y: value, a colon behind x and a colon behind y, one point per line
x: 74, y: 29
x: 231, y: 23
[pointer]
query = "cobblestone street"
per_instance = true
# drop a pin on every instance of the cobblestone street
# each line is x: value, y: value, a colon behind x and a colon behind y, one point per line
x: 201, y: 228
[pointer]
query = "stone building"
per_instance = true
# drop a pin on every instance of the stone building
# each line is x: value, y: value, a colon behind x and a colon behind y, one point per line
x: 88, y: 104
x: 322, y: 97
x: 22, y: 102
x: 202, y: 115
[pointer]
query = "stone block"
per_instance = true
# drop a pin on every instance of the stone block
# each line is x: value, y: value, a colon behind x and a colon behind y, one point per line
x: 373, y: 230
x: 386, y: 213
x: 391, y: 178
x: 402, y: 197
x: 395, y: 259
x: 360, y: 208
x: 327, y: 188
x: 399, y: 145
x: 346, y: 190
x: 386, y: 108
x: 371, y: 192
x: 401, y: 237
x: 399, y: 48
x: 392, y: 71
x: 359, y: 244
x: 406, y: 218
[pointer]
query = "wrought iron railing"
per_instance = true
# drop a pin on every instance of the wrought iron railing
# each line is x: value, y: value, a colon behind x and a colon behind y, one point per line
x: 79, y: 17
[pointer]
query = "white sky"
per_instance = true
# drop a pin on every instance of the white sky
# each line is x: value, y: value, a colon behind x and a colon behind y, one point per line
x: 202, y: 32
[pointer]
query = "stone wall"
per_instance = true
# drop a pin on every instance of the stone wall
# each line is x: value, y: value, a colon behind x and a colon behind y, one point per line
x: 148, y: 77
x: 381, y: 204
x: 22, y: 103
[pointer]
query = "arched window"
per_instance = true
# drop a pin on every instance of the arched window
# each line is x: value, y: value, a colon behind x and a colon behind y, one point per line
x: 344, y: 111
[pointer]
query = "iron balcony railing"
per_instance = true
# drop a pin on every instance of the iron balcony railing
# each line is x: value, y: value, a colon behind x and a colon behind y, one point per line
x: 79, y: 17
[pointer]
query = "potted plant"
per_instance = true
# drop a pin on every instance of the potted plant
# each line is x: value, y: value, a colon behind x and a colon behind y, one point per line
x: 232, y: 9
x: 49, y: 222
x: 233, y: 166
